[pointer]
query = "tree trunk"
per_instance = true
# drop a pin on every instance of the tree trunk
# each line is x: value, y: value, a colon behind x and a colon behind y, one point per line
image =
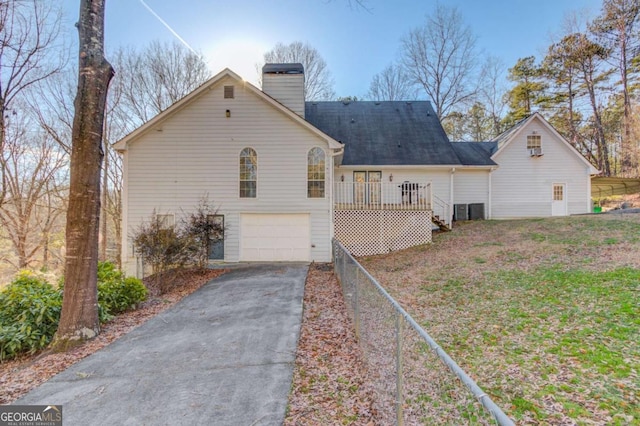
x: 3, y: 133
x: 45, y: 251
x: 627, y: 166
x: 79, y: 317
x: 118, y: 233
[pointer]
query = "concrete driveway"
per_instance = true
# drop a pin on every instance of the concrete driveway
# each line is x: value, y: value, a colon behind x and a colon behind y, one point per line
x: 222, y: 356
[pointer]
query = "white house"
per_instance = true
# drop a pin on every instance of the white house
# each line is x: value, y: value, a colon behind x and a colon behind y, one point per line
x: 540, y: 174
x: 287, y: 176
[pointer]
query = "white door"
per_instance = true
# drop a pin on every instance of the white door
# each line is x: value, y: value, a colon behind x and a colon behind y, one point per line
x: 559, y: 200
x: 275, y: 237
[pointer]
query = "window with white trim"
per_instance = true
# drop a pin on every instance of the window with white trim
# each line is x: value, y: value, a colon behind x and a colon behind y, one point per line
x: 315, y: 173
x: 534, y: 142
x: 166, y: 221
x: 248, y: 173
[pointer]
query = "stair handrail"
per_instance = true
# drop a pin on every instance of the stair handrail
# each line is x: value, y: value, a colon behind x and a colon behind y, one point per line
x: 446, y: 208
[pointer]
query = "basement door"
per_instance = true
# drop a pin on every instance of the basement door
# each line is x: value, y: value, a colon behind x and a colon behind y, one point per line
x: 216, y: 245
x: 559, y: 200
x: 275, y: 237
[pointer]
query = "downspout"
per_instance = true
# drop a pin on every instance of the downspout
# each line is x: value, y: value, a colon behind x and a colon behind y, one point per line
x: 331, y: 200
x: 489, y: 201
x: 449, y: 212
x: 589, y: 200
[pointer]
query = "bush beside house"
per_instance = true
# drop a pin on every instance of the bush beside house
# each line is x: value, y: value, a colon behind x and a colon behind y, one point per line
x: 30, y: 307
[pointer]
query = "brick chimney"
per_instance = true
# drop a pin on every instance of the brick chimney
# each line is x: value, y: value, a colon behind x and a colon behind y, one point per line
x: 285, y: 83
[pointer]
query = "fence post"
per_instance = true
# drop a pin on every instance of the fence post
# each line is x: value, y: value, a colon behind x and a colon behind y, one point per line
x: 399, y: 372
x: 343, y: 273
x: 356, y: 304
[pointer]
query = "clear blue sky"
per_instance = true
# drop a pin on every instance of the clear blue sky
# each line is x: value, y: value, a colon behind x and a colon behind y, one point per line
x: 355, y: 43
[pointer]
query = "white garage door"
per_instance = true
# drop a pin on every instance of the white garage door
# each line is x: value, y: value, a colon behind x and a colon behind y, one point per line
x: 275, y: 237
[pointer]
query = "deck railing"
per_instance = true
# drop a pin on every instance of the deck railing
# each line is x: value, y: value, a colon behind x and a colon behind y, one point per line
x: 383, y: 196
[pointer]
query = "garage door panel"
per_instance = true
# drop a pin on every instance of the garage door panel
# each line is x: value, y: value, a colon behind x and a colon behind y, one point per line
x: 275, y: 237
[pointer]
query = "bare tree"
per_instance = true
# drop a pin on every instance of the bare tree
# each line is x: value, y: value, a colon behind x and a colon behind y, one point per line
x: 112, y: 208
x: 117, y: 125
x: 148, y: 81
x: 392, y: 84
x: 318, y: 83
x: 35, y: 172
x: 440, y: 56
x: 156, y: 77
x: 28, y: 32
x: 52, y: 105
x: 79, y: 316
x: 492, y: 91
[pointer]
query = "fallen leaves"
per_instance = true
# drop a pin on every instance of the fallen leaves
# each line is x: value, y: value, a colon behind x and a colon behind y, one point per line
x: 19, y: 376
x: 329, y: 383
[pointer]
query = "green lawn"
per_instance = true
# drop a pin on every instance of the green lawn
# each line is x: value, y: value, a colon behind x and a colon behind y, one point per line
x: 543, y: 314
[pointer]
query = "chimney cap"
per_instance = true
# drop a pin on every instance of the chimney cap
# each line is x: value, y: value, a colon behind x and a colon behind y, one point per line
x: 283, y: 69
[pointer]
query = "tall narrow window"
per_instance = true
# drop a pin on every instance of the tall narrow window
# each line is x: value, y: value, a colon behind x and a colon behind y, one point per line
x: 315, y: 173
x: 248, y: 173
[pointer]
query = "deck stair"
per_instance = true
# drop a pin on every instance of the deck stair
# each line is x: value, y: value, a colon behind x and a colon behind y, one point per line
x: 440, y: 223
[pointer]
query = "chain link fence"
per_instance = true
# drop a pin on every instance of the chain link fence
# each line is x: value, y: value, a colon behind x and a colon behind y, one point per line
x: 414, y: 379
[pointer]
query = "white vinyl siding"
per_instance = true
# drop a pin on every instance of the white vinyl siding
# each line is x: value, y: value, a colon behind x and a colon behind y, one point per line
x: 471, y: 186
x: 438, y: 177
x: 521, y: 186
x: 195, y: 151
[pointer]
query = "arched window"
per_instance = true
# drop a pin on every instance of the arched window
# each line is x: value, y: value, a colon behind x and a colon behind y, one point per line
x: 248, y: 173
x: 315, y: 173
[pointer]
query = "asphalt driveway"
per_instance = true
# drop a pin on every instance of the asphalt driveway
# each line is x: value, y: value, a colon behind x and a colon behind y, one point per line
x: 222, y: 356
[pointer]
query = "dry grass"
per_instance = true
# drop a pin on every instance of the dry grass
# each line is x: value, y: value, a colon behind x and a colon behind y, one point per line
x: 543, y: 314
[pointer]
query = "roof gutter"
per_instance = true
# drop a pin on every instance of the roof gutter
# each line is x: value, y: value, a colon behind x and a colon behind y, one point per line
x: 420, y: 166
x: 337, y: 151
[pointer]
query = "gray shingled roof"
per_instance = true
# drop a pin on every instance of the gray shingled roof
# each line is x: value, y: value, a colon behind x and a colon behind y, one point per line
x: 504, y: 136
x: 475, y: 153
x: 384, y: 133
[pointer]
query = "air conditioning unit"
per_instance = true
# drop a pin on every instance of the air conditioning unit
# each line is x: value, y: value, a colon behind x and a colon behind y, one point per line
x: 536, y: 152
x: 476, y: 211
x: 460, y: 212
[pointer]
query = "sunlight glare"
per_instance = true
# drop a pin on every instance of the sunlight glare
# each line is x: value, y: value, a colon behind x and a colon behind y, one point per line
x: 239, y: 55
